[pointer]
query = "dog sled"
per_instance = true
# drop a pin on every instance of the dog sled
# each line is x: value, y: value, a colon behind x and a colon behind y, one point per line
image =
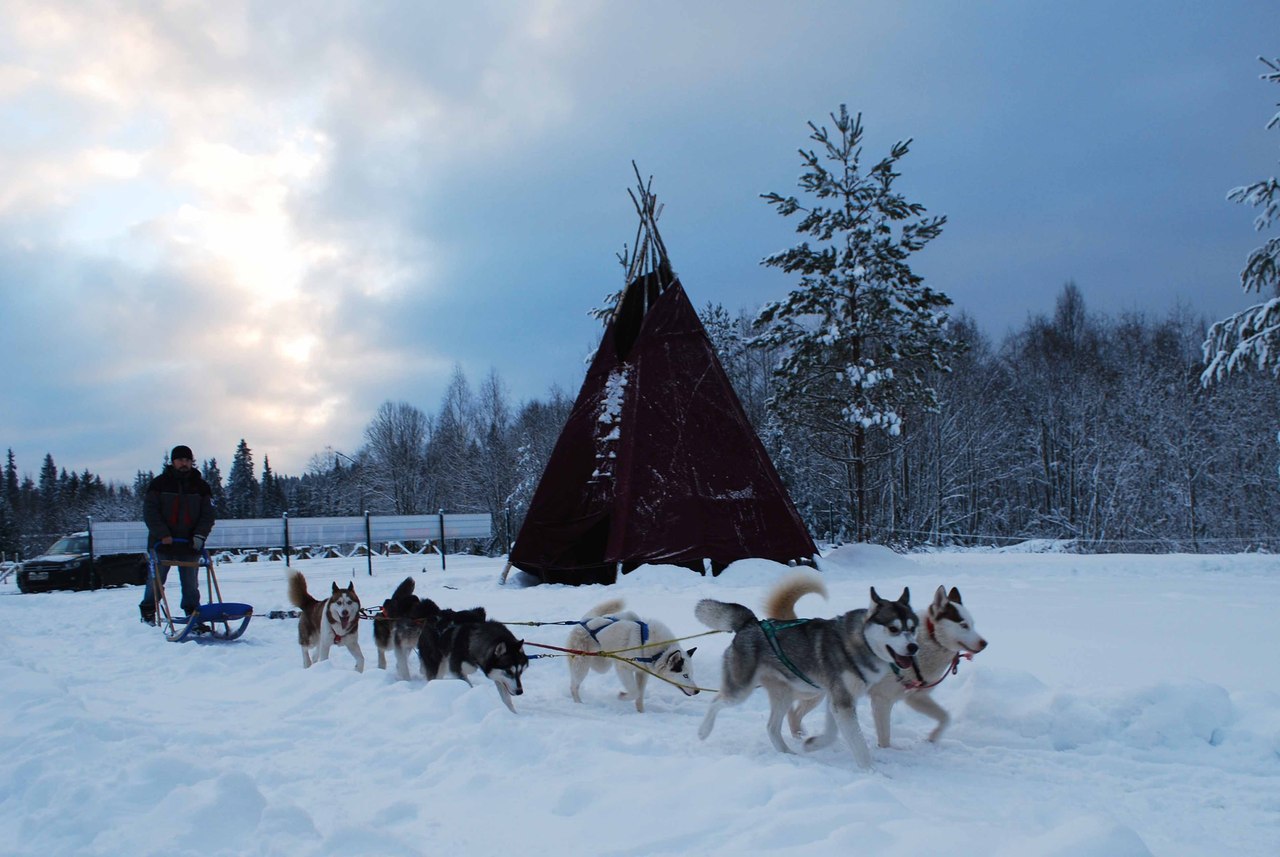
x: 213, y: 620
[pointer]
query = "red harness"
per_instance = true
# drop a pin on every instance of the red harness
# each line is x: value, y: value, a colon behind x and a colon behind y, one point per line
x: 955, y: 662
x: 337, y: 638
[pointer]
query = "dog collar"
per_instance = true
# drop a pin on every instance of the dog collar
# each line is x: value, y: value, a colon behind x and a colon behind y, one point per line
x: 951, y: 670
x: 346, y: 630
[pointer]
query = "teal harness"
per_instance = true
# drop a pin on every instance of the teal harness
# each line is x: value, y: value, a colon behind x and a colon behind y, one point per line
x: 770, y: 628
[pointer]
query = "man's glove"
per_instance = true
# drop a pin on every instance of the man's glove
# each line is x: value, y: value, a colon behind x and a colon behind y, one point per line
x: 198, y: 543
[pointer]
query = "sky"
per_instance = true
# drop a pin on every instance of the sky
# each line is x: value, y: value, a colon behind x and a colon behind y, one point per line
x: 262, y: 220
x: 1093, y: 725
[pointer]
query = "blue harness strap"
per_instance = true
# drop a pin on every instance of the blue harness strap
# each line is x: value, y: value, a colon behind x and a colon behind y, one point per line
x: 609, y: 620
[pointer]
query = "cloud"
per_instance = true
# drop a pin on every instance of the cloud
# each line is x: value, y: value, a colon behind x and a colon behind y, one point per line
x: 263, y: 219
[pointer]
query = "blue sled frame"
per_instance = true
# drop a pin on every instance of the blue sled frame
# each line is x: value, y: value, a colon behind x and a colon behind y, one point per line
x: 214, y: 620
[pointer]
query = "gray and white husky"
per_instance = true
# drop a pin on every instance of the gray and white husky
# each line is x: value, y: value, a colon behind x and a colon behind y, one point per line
x: 949, y: 634
x: 647, y: 644
x: 840, y: 658
x: 335, y: 621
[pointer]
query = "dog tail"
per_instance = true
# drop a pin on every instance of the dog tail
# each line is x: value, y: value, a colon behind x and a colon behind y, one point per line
x: 613, y: 605
x: 724, y: 615
x: 780, y: 603
x: 405, y: 589
x: 298, y: 595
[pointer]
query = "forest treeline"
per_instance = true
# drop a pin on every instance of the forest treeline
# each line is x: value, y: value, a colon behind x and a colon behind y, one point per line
x: 1077, y: 426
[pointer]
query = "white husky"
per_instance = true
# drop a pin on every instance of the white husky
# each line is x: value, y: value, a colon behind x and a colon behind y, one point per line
x: 647, y: 645
x: 948, y: 634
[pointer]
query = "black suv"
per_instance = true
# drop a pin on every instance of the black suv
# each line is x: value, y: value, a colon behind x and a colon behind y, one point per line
x: 67, y: 564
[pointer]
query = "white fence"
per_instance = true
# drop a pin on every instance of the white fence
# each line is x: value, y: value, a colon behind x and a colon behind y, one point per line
x: 287, y: 534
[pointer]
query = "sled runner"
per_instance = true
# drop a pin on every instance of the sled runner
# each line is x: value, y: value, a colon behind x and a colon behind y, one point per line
x: 214, y: 620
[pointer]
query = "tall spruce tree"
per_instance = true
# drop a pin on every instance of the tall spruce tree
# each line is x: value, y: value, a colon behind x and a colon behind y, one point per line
x: 213, y: 476
x: 861, y: 332
x: 12, y: 525
x: 1252, y: 336
x: 50, y: 499
x: 242, y: 485
x: 273, y: 498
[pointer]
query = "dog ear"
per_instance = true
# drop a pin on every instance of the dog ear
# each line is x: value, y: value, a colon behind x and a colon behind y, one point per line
x: 875, y: 599
x: 335, y: 588
x: 499, y: 650
x: 939, y: 599
x: 955, y: 595
x: 905, y: 598
x: 689, y: 653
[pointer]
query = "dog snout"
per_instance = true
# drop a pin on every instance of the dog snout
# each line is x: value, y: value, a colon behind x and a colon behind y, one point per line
x: 982, y: 644
x: 912, y: 648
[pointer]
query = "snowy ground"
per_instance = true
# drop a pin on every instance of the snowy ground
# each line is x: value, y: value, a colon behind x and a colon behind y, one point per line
x: 1127, y: 705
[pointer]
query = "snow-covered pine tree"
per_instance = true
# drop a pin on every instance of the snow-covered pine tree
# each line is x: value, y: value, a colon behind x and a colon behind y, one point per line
x: 274, y: 502
x: 213, y: 476
x: 1252, y: 336
x: 242, y: 485
x: 861, y: 331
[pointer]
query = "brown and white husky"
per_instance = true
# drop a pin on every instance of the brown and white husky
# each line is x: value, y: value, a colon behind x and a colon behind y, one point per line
x: 323, y: 624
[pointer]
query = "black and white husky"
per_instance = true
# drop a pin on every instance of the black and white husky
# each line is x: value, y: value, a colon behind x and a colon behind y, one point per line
x: 334, y: 621
x: 646, y: 644
x: 460, y: 643
x: 949, y: 635
x: 840, y: 658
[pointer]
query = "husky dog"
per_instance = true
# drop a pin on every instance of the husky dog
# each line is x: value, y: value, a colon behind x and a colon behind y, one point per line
x: 780, y: 604
x: 401, y: 603
x: 334, y: 621
x: 840, y: 657
x: 456, y: 644
x: 406, y: 632
x: 609, y: 628
x: 949, y: 635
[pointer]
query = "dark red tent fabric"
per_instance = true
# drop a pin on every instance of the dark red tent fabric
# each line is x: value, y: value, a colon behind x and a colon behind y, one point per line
x: 657, y: 462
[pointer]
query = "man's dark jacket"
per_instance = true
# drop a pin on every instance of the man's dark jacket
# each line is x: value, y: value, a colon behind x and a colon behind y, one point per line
x: 178, y: 505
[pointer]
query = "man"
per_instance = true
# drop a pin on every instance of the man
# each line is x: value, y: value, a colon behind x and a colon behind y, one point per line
x: 178, y: 505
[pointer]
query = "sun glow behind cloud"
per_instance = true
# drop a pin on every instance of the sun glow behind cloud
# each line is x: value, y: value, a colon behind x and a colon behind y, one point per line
x: 201, y: 175
x: 243, y: 220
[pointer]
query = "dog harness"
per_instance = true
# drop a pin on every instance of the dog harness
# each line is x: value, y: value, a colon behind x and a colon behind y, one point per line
x: 337, y: 638
x: 951, y: 670
x: 770, y: 628
x: 609, y: 620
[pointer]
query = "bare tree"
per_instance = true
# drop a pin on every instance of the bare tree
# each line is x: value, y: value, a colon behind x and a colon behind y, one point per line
x: 396, y: 445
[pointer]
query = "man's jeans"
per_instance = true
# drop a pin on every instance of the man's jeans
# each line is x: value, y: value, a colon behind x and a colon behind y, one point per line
x: 190, y: 580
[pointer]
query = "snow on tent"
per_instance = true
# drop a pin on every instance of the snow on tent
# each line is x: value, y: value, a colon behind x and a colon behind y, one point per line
x: 657, y: 462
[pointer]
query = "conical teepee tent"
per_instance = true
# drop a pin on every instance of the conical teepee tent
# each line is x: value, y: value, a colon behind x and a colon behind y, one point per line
x: 657, y: 462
